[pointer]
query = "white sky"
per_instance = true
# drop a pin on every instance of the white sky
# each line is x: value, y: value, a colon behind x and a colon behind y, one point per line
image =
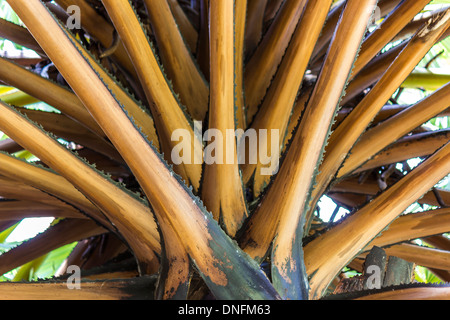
x: 29, y: 228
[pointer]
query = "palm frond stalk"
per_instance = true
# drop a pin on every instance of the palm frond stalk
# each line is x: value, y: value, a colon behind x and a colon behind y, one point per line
x: 186, y: 148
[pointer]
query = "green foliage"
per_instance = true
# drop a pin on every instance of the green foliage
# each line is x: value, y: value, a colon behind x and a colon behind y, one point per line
x: 5, y: 233
x: 42, y: 106
x: 40, y: 268
x: 8, y: 14
x: 439, y: 123
x: 26, y: 155
x: 6, y: 246
x: 424, y: 275
x: 350, y: 273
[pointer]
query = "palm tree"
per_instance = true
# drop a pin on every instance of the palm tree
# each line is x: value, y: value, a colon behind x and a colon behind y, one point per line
x: 324, y: 79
